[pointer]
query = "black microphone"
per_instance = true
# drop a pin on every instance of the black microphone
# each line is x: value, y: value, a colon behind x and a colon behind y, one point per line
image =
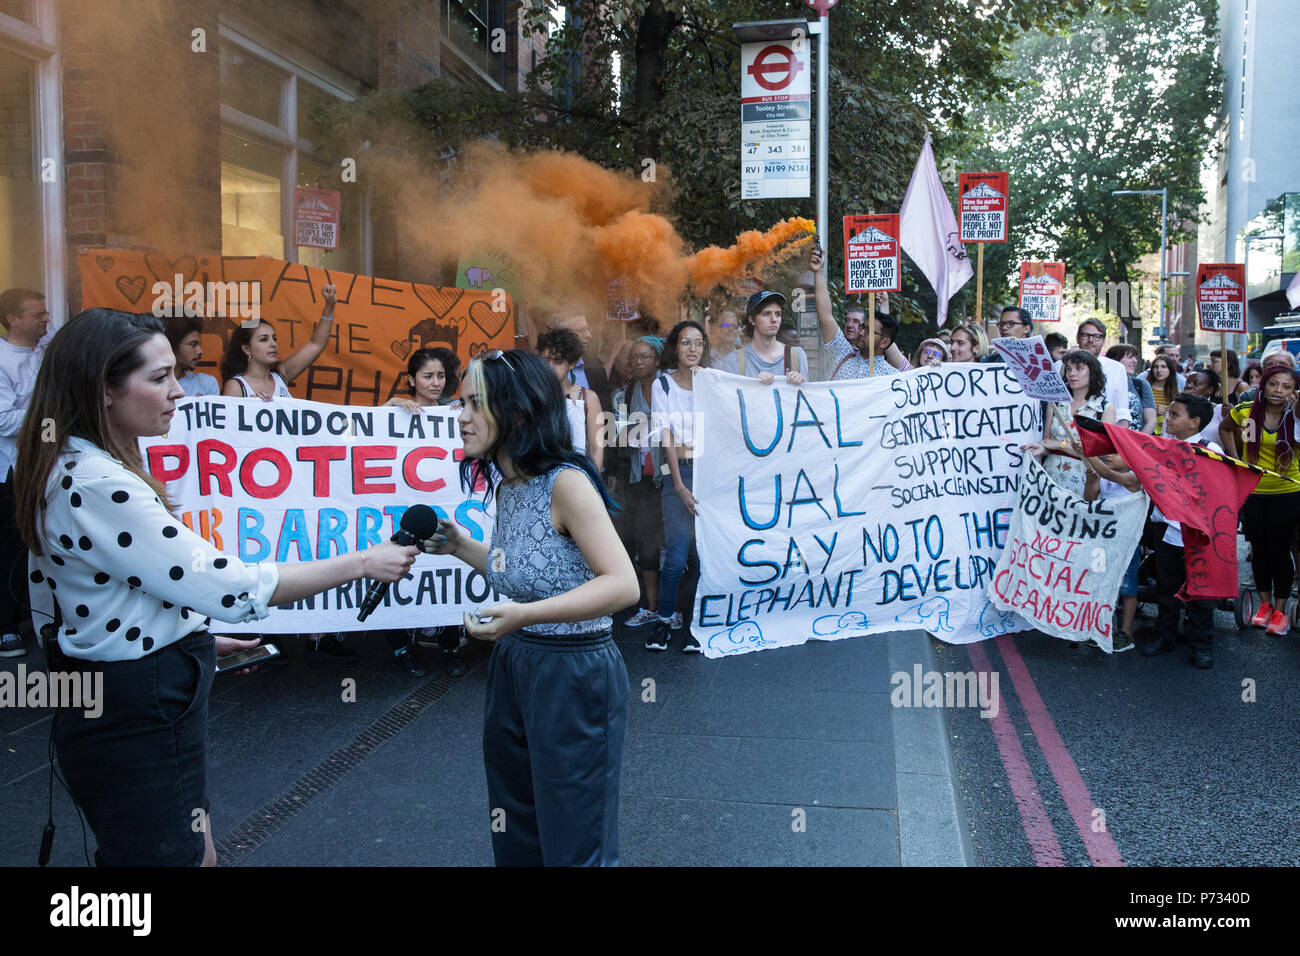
x: 418, y: 523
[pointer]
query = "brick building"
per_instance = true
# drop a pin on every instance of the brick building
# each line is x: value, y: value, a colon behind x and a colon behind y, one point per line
x: 184, y: 125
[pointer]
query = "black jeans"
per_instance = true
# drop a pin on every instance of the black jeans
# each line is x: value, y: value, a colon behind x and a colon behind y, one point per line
x: 138, y: 770
x: 1171, y: 572
x: 14, y: 600
x: 1269, y: 522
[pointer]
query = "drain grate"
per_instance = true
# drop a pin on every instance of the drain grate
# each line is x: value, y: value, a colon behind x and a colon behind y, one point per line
x: 266, y: 821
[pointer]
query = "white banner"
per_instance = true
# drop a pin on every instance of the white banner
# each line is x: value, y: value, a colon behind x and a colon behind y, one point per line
x: 292, y: 480
x: 839, y: 509
x: 1066, y: 557
x: 1033, y: 366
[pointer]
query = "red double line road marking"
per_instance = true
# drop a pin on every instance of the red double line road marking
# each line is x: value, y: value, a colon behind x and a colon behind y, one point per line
x: 1101, y: 848
x: 1033, y: 816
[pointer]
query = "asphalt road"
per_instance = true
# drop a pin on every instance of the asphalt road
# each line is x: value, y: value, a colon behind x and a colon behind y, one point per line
x: 1183, y: 766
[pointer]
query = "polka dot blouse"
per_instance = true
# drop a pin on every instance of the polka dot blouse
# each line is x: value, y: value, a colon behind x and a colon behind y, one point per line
x: 128, y: 576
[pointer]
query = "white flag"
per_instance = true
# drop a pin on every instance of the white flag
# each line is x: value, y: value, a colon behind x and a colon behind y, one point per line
x: 929, y: 232
x: 1293, y: 291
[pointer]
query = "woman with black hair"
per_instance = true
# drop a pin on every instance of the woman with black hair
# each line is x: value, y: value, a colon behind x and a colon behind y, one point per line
x: 1267, y: 429
x: 432, y: 376
x: 563, y: 350
x: 673, y: 414
x: 252, y: 366
x: 1086, y: 381
x: 557, y: 686
x: 131, y: 589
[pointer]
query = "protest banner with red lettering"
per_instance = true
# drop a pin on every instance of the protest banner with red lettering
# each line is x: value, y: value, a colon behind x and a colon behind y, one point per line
x: 316, y: 217
x: 1042, y: 289
x: 1194, y: 486
x: 842, y: 509
x: 1033, y: 366
x: 871, y: 254
x: 1221, y: 296
x: 982, y: 204
x: 297, y: 481
x: 1065, y: 558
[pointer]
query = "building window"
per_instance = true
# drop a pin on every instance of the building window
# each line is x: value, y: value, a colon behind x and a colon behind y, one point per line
x: 270, y: 143
x: 32, y: 253
x: 470, y: 28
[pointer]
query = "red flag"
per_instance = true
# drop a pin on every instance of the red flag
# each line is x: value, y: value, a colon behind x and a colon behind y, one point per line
x: 1199, y: 489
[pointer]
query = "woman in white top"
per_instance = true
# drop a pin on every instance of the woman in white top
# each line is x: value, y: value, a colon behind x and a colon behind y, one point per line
x: 252, y: 366
x: 672, y: 404
x: 563, y: 350
x: 131, y: 589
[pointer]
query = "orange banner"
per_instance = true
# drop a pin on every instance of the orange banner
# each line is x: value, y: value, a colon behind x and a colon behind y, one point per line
x: 378, y: 323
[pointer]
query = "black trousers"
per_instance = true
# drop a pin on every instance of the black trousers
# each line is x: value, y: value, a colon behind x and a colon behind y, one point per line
x: 553, y: 728
x: 1171, y: 572
x: 14, y: 600
x: 1269, y: 522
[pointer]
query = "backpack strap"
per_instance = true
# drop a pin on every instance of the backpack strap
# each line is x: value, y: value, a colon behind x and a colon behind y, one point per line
x: 663, y: 380
x: 841, y: 365
x: 740, y: 361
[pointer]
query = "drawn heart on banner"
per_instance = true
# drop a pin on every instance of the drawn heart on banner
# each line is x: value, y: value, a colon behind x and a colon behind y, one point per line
x: 402, y: 349
x: 166, y: 270
x: 130, y: 286
x: 487, y: 319
x: 104, y: 262
x: 439, y: 301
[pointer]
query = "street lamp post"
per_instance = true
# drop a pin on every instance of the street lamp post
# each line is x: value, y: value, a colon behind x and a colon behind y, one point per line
x: 1164, y: 218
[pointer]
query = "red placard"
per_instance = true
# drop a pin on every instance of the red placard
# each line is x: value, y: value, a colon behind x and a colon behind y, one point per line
x: 1221, y: 296
x: 316, y: 215
x: 1042, y: 289
x: 871, y: 254
x: 982, y: 202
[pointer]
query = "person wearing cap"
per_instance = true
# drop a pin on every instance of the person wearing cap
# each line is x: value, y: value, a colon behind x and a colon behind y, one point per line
x: 850, y: 357
x: 763, y: 356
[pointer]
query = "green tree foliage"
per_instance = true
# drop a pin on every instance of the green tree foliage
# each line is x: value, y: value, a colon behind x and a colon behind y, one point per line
x: 1115, y: 102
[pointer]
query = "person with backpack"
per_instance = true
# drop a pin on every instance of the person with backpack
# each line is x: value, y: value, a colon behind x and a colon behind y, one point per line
x: 764, y: 357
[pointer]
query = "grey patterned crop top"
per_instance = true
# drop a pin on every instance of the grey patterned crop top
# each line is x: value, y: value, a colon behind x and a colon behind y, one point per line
x: 528, y: 560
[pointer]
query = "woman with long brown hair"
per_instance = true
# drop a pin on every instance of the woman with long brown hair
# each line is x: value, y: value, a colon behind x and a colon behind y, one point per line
x: 131, y: 590
x: 1163, y: 379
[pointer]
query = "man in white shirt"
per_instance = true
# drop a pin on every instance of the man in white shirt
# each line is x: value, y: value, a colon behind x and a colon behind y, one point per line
x: 26, y: 322
x: 1091, y: 337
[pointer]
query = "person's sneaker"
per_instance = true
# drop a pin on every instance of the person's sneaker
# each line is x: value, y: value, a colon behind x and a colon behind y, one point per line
x: 11, y: 645
x: 1201, y: 658
x: 1261, y: 618
x: 1123, y: 642
x: 690, y: 645
x: 658, y: 638
x: 642, y: 616
x: 1279, y: 625
x: 1158, y: 645
x: 455, y: 666
x: 331, y: 647
x: 676, y: 623
x: 407, y: 662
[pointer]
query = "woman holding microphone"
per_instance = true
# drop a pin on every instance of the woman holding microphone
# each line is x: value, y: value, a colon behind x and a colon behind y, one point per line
x: 131, y: 589
x: 557, y: 687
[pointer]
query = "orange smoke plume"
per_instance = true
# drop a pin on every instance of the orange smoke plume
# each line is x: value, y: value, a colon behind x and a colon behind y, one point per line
x: 569, y: 227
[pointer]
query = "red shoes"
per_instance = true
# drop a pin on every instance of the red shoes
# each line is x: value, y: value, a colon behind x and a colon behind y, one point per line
x: 1262, y: 616
x: 1279, y: 625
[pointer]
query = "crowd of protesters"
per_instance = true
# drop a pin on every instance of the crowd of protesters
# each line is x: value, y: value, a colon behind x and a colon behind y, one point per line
x: 643, y: 382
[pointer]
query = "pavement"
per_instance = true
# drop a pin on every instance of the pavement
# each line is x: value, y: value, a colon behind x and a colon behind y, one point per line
x: 784, y: 757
